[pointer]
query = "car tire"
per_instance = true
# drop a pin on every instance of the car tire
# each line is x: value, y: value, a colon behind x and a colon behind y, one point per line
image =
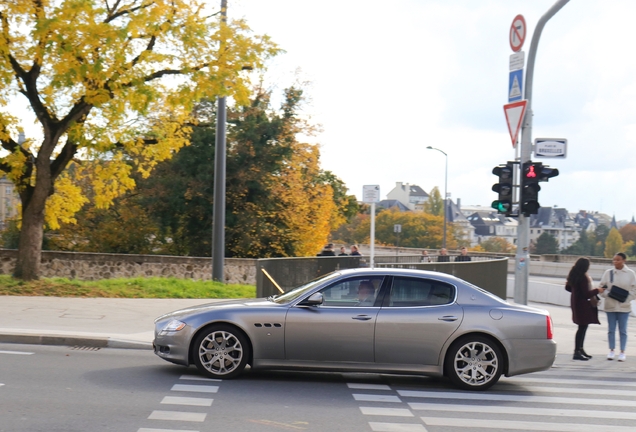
x: 221, y: 351
x: 474, y: 363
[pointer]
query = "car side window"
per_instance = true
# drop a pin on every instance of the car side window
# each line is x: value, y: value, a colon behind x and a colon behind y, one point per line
x: 409, y: 292
x: 355, y: 292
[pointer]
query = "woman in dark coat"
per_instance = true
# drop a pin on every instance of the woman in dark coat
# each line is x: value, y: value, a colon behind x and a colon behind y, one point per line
x: 584, y: 311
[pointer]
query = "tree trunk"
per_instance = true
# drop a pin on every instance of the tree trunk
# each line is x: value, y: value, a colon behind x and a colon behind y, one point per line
x: 33, y: 200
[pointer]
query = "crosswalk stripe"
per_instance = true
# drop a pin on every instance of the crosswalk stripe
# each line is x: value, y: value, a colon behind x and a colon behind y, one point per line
x: 177, y: 400
x: 195, y: 388
x: 164, y: 430
x: 512, y: 410
x: 515, y: 398
x: 578, y: 390
x: 577, y: 374
x: 198, y: 378
x: 396, y: 427
x: 584, y: 382
x: 368, y: 386
x: 375, y: 398
x: 178, y: 416
x: 521, y: 425
x: 17, y: 352
x: 398, y: 412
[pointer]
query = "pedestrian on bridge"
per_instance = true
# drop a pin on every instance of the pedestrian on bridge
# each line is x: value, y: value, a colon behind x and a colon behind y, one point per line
x: 583, y: 302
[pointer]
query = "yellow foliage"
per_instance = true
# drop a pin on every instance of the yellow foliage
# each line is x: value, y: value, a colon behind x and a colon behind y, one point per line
x: 116, y: 85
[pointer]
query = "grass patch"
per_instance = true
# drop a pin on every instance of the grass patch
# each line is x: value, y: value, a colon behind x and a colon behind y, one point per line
x: 125, y: 288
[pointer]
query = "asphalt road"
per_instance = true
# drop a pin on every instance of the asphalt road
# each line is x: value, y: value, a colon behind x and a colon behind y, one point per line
x: 54, y: 388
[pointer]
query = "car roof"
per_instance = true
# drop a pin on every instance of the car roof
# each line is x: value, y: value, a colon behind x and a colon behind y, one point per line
x: 399, y: 272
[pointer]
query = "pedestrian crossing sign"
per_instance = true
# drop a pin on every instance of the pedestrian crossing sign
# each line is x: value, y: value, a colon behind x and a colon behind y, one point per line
x: 515, y: 86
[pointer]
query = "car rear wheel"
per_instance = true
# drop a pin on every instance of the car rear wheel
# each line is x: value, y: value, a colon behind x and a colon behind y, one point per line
x: 474, y: 363
x: 221, y: 351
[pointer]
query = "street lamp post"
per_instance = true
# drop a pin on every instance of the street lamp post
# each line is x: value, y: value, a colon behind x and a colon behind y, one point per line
x: 445, y: 192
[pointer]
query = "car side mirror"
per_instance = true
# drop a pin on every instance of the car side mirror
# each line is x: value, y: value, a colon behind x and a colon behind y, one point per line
x: 313, y: 300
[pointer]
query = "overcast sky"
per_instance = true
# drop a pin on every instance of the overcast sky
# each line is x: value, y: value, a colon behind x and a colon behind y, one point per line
x: 392, y: 77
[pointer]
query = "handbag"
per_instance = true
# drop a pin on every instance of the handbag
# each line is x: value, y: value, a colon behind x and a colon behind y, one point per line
x: 594, y: 301
x: 617, y: 293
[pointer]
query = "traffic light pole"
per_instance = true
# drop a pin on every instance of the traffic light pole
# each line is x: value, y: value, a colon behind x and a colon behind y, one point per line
x: 522, y: 258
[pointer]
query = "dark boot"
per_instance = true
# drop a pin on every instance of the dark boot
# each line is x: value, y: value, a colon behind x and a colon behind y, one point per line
x: 585, y: 354
x: 579, y: 356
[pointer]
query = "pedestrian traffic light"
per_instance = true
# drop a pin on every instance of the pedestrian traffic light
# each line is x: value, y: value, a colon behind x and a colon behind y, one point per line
x: 503, y: 204
x: 529, y: 192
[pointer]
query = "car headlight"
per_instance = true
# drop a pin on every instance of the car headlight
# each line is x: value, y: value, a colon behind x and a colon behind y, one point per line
x: 173, y: 326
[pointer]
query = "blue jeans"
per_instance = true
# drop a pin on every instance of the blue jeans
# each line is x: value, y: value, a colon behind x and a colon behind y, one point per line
x: 612, y: 318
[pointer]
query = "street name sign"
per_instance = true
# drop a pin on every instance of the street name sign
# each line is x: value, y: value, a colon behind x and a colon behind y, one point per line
x: 371, y: 194
x: 515, y: 113
x: 550, y: 147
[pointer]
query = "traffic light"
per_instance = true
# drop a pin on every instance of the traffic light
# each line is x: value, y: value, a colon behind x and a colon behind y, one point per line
x: 531, y: 174
x: 503, y: 204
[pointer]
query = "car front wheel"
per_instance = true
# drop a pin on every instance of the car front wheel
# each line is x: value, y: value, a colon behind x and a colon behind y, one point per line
x: 221, y: 351
x: 474, y: 363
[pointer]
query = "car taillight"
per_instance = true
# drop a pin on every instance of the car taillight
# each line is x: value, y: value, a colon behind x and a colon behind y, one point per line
x: 548, y: 321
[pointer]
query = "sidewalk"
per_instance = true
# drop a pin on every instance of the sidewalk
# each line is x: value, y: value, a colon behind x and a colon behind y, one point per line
x: 128, y: 323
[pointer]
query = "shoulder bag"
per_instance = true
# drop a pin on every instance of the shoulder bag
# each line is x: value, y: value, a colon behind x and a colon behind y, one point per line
x: 617, y: 293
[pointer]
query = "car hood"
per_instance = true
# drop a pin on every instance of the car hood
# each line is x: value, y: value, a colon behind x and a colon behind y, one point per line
x: 222, y: 304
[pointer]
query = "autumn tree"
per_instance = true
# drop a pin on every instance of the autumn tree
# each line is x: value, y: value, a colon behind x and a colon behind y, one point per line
x: 613, y: 243
x: 279, y: 201
x: 112, y: 85
x: 435, y: 203
x: 628, y: 232
x: 496, y: 244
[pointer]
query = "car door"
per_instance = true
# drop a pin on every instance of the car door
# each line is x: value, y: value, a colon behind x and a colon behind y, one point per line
x: 417, y: 318
x: 342, y: 329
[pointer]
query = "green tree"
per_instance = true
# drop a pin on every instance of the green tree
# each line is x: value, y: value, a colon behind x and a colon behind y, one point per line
x: 613, y: 243
x: 435, y: 203
x: 582, y: 246
x: 279, y: 202
x: 546, y: 244
x: 112, y: 83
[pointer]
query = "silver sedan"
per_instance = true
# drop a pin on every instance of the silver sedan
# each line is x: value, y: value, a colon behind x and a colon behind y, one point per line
x: 368, y: 320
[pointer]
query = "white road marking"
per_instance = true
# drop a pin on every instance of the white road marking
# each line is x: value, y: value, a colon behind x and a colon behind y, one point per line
x: 396, y: 427
x: 578, y: 390
x: 375, y: 398
x: 176, y: 400
x: 576, y: 382
x: 17, y: 352
x: 368, y: 386
x: 512, y: 410
x: 197, y: 378
x: 164, y: 430
x: 178, y: 416
x: 398, y: 412
x: 472, y: 424
x: 515, y: 398
x: 195, y: 388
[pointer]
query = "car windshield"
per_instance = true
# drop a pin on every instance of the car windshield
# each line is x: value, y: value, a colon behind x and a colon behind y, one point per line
x: 299, y: 291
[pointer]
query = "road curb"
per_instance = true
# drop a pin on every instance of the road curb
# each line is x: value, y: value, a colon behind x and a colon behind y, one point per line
x: 63, y: 340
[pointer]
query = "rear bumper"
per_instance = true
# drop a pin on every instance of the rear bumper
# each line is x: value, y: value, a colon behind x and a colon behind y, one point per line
x: 530, y: 355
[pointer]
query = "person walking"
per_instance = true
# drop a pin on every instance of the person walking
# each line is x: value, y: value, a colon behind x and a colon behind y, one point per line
x: 343, y: 251
x: 583, y: 302
x: 355, y: 251
x: 618, y: 311
x: 464, y: 255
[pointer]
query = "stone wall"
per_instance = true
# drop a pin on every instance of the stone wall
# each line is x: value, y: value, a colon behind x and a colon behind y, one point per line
x: 95, y: 266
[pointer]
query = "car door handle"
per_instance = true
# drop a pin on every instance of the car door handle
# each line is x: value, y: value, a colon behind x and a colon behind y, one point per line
x: 361, y: 317
x: 448, y: 318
